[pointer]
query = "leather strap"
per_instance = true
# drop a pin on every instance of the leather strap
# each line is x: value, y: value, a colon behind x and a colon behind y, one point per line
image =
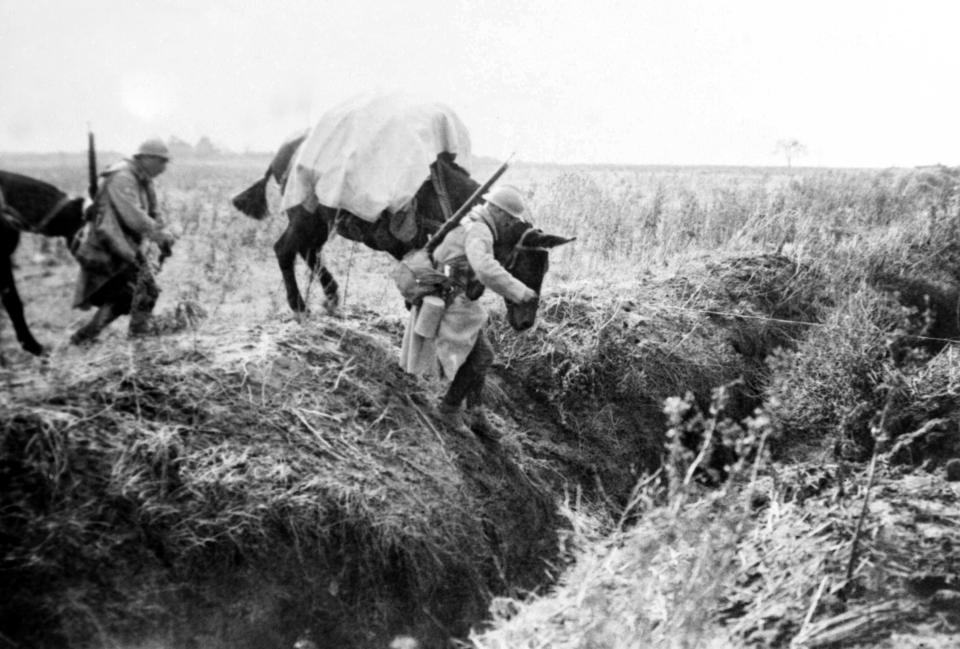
x: 16, y: 218
x: 441, y: 190
x: 38, y: 228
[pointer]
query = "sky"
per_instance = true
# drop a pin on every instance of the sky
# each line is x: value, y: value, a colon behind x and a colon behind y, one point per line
x: 712, y: 82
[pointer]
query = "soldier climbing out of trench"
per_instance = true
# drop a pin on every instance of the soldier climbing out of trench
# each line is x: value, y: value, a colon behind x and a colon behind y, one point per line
x: 460, y: 347
x: 122, y: 246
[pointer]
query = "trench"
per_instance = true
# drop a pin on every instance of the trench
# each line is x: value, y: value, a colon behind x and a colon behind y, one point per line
x: 289, y: 482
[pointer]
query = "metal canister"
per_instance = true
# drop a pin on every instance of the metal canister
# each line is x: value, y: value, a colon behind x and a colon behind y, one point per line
x: 429, y: 316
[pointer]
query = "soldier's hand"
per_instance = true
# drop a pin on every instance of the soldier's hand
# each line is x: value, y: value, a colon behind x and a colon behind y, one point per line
x: 529, y: 295
x: 165, y: 240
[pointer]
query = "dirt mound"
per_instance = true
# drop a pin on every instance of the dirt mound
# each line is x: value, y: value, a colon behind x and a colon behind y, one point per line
x: 931, y: 320
x: 239, y: 488
x: 604, y: 359
x: 812, y: 556
x: 912, y: 418
x: 764, y: 301
x: 865, y: 365
x: 599, y: 370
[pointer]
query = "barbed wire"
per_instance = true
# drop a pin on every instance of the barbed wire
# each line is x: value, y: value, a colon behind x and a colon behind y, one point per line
x: 730, y: 314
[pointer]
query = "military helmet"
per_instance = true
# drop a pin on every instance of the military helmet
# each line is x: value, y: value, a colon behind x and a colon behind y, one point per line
x: 154, y: 147
x: 508, y: 199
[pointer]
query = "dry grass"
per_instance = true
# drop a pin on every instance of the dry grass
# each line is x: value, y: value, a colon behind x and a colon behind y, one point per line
x: 713, y: 573
x: 278, y: 451
x: 761, y: 563
x: 270, y: 467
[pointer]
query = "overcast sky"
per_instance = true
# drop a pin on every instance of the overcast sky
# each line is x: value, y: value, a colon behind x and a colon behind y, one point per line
x: 859, y: 83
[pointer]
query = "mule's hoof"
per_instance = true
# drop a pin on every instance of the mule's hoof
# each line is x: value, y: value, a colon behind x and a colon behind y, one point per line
x: 331, y: 304
x: 33, y: 347
x: 82, y: 339
x: 144, y: 328
x: 301, y: 317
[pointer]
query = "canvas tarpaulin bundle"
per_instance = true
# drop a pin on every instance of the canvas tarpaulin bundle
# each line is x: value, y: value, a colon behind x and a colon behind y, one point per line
x: 372, y: 154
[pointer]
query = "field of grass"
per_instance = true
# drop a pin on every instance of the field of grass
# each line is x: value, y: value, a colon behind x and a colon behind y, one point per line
x: 258, y: 476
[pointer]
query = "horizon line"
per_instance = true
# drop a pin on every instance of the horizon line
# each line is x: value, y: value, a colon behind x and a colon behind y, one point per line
x: 226, y: 154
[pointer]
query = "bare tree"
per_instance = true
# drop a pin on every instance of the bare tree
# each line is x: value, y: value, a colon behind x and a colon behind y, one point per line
x: 790, y: 149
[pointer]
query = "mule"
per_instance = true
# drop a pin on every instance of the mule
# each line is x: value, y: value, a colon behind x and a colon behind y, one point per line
x: 30, y: 205
x: 524, y: 251
x: 521, y: 249
x: 307, y: 231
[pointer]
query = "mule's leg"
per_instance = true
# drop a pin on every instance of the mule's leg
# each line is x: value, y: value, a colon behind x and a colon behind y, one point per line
x: 286, y: 251
x: 14, y: 306
x: 305, y: 234
x: 327, y: 282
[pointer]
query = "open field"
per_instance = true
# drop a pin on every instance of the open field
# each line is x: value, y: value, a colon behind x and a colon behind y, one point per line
x: 256, y: 477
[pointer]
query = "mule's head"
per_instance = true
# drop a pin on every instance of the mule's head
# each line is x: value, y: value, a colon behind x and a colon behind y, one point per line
x: 528, y: 260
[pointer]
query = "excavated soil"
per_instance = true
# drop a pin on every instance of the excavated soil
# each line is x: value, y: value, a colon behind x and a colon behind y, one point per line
x: 237, y: 485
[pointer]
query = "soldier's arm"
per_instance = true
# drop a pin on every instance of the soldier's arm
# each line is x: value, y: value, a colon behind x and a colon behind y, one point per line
x: 478, y: 246
x: 125, y: 197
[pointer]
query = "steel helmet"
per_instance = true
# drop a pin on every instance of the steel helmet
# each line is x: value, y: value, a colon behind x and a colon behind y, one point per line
x: 508, y: 199
x: 154, y: 147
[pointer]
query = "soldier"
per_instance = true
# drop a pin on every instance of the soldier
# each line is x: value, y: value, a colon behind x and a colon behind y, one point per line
x: 117, y: 263
x: 461, y: 347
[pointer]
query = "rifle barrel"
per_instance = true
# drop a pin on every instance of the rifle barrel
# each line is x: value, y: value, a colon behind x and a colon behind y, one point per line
x: 91, y: 166
x: 454, y: 220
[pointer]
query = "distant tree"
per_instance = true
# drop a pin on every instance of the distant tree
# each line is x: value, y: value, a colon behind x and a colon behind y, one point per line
x: 205, y: 148
x: 791, y: 149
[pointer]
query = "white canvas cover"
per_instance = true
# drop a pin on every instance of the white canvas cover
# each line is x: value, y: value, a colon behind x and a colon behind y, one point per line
x: 372, y: 153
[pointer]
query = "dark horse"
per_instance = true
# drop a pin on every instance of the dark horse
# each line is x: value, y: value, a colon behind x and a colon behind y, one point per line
x: 307, y: 231
x: 30, y: 205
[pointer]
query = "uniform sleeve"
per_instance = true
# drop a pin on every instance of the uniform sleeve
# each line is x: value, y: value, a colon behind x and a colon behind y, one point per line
x: 478, y: 246
x: 125, y: 197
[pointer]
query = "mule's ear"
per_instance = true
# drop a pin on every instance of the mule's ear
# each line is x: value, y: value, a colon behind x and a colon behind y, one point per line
x: 540, y: 239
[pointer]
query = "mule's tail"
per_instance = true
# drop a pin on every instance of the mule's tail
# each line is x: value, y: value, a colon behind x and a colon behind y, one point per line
x: 252, y: 201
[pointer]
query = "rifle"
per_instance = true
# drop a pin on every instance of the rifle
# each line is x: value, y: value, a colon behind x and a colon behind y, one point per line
x: 454, y: 220
x: 91, y: 167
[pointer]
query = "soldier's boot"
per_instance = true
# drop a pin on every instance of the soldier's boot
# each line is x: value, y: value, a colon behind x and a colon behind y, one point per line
x: 452, y: 417
x: 142, y: 320
x: 142, y: 323
x: 145, y: 295
x: 89, y: 332
x: 480, y: 425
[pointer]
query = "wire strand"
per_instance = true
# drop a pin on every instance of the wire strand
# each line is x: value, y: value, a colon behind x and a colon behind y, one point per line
x: 728, y: 314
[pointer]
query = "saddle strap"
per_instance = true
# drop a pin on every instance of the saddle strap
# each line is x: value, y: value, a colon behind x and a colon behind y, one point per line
x: 10, y: 213
x: 441, y: 190
x: 38, y: 228
x: 16, y: 220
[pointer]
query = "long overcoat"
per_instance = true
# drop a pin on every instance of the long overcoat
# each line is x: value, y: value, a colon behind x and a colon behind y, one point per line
x: 125, y: 213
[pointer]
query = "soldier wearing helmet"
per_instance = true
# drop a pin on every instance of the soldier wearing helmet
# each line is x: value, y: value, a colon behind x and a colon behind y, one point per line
x: 461, y: 348
x: 115, y: 251
x: 152, y: 156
